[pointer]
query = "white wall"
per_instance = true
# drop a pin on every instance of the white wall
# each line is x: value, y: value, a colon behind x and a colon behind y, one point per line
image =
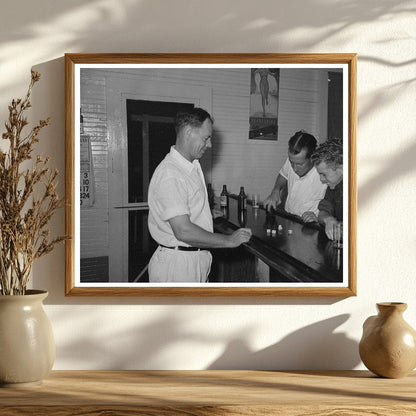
x: 199, y: 333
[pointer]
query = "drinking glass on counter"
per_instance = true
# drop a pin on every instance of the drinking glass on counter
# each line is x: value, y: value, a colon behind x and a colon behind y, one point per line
x: 255, y: 199
x: 338, y: 238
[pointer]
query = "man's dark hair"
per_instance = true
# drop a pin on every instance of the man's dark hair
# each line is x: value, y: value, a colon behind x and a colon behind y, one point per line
x: 302, y: 140
x: 329, y: 152
x: 194, y: 118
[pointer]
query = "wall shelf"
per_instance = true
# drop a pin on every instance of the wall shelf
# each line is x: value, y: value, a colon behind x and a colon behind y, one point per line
x: 213, y: 392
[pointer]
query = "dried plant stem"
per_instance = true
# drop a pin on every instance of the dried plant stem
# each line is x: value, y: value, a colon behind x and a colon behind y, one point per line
x: 23, y: 217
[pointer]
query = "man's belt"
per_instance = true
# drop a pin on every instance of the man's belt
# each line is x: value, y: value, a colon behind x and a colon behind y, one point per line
x: 183, y: 248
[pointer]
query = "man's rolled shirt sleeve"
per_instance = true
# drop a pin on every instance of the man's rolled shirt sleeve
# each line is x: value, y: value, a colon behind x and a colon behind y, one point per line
x: 171, y: 199
x: 284, y: 171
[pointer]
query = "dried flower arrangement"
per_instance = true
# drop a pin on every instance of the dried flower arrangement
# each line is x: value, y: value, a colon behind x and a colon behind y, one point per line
x: 28, y: 200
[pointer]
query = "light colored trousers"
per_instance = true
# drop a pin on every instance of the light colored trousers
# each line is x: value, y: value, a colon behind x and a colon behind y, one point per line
x: 169, y: 265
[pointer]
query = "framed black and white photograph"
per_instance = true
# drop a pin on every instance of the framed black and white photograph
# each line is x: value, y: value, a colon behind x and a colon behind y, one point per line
x: 269, y: 122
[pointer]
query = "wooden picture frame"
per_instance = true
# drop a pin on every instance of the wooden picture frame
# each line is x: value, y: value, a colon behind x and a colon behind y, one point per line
x: 108, y: 121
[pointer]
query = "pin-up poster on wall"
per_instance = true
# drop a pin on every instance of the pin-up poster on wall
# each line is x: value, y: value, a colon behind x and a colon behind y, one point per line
x: 264, y: 103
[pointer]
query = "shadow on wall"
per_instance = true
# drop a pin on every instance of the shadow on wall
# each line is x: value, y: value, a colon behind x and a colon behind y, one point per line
x: 393, y: 169
x: 80, y: 26
x: 146, y: 346
x: 134, y: 17
x: 313, y: 347
x: 151, y: 346
x: 52, y: 142
x: 135, y: 20
x: 396, y: 166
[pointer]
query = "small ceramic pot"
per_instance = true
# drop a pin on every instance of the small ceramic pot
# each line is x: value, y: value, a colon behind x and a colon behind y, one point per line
x: 388, y: 345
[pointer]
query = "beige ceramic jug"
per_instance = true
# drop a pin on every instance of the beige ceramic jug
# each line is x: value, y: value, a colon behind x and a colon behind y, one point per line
x: 388, y: 345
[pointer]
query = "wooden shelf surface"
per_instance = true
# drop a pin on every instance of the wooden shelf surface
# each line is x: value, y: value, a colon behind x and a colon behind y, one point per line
x: 213, y: 392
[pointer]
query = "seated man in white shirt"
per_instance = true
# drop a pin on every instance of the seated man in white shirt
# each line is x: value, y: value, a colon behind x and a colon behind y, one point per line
x: 180, y: 219
x: 299, y: 175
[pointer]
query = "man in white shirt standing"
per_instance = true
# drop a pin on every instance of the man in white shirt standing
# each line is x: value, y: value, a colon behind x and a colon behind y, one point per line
x: 180, y: 219
x: 299, y: 175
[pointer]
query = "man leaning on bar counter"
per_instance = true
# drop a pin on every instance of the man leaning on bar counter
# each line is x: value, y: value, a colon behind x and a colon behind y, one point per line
x: 328, y: 162
x: 180, y: 219
x: 304, y: 187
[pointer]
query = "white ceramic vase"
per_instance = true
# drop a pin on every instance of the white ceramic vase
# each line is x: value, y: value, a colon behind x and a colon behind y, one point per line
x: 27, y: 346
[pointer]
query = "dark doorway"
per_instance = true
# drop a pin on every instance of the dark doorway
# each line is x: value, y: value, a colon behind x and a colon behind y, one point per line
x: 150, y: 134
x: 335, y: 107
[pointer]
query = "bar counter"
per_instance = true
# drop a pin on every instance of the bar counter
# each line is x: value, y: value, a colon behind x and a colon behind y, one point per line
x: 294, y: 251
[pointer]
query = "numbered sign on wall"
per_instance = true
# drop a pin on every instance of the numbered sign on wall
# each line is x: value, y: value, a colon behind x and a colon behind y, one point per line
x: 87, y: 177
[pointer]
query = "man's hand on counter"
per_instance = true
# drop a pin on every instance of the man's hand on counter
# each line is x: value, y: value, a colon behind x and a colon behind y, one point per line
x: 216, y: 213
x: 240, y: 236
x: 272, y: 201
x: 309, y: 216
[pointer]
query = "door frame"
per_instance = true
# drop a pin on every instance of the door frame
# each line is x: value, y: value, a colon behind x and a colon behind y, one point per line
x: 118, y: 90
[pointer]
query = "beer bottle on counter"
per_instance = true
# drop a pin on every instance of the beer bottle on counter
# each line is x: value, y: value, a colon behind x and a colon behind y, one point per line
x: 224, y: 197
x: 242, y: 200
x: 210, y: 196
x: 242, y: 218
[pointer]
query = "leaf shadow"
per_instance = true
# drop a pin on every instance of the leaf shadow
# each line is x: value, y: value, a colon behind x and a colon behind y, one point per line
x: 316, y: 346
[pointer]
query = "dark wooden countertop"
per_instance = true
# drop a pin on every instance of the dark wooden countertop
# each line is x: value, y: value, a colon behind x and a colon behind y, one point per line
x: 299, y: 251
